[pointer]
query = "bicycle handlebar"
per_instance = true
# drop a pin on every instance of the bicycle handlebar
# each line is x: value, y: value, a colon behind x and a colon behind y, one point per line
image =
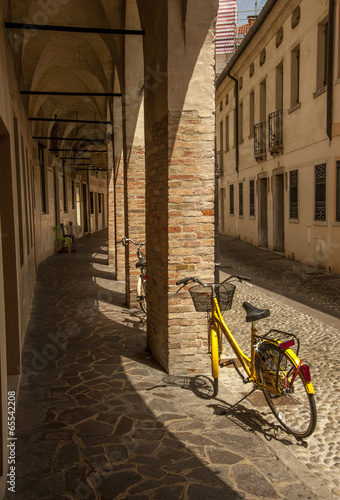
x: 185, y: 281
x: 125, y: 241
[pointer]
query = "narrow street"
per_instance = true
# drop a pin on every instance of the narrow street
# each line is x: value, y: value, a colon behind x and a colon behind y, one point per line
x: 98, y: 418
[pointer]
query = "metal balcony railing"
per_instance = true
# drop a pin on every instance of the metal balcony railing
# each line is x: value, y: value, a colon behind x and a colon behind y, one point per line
x: 275, y: 132
x: 260, y: 140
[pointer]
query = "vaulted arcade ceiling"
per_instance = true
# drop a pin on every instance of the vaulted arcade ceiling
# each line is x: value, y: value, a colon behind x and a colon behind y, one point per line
x: 52, y: 60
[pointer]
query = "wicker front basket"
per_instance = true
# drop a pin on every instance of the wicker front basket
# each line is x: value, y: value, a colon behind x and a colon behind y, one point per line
x: 201, y: 297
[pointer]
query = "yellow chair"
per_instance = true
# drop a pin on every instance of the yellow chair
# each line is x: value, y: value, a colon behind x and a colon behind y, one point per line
x: 61, y: 241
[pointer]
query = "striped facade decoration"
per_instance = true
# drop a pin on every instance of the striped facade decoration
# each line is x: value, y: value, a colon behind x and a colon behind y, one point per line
x: 226, y: 25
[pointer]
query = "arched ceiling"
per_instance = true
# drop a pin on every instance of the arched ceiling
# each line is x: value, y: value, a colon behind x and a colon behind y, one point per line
x: 58, y: 61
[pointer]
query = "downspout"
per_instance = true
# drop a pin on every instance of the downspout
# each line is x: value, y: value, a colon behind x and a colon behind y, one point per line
x: 236, y: 121
x: 330, y: 43
x: 217, y: 222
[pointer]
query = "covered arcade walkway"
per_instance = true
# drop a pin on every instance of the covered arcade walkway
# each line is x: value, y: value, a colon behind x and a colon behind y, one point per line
x: 98, y: 418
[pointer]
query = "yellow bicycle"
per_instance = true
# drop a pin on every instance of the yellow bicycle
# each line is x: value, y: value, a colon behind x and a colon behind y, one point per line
x: 274, y: 366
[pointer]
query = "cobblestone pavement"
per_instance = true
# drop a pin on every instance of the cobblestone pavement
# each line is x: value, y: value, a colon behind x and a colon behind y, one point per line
x: 319, y: 335
x: 313, y: 286
x: 97, y: 418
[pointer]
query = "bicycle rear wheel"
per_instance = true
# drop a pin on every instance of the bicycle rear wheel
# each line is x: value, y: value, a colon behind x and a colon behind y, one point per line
x: 293, y: 406
x: 215, y: 361
x: 141, y: 293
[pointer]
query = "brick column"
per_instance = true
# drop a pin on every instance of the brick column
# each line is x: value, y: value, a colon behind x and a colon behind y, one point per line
x: 119, y: 188
x: 134, y: 147
x: 111, y: 224
x: 180, y: 134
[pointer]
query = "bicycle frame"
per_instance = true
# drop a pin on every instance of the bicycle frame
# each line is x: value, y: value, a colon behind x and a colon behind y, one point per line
x: 217, y: 324
x: 141, y: 264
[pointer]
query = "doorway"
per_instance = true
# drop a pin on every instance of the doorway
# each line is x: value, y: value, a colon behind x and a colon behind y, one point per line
x: 85, y: 218
x: 96, y: 210
x: 279, y: 236
x: 56, y: 196
x: 263, y: 213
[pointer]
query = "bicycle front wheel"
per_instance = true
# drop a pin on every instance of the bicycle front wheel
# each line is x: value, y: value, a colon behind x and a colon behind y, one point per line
x: 292, y: 405
x: 141, y: 293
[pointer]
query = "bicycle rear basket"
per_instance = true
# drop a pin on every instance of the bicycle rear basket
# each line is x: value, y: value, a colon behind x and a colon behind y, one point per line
x: 272, y: 357
x: 201, y: 297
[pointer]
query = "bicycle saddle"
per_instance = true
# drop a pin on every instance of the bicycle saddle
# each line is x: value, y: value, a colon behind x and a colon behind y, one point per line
x: 141, y: 263
x: 254, y: 313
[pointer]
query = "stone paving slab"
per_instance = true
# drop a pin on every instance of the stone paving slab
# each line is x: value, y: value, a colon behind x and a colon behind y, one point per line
x: 97, y: 418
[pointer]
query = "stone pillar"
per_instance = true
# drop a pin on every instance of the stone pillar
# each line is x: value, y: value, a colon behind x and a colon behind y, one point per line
x: 134, y: 147
x: 119, y: 181
x: 179, y: 147
x: 111, y: 219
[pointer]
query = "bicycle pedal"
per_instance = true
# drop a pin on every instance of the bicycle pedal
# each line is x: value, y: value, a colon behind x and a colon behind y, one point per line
x: 223, y: 364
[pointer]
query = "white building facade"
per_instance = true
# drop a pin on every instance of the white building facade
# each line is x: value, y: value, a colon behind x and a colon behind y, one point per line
x: 278, y: 133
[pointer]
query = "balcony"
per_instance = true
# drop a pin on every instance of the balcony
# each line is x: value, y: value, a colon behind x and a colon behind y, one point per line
x: 260, y: 141
x: 275, y: 132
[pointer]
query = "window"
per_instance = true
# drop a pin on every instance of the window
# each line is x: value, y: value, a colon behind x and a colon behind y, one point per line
x: 231, y: 191
x: 240, y: 83
x: 240, y: 122
x: 221, y: 105
x: 279, y: 37
x: 18, y: 187
x: 73, y: 195
x: 296, y: 17
x: 24, y: 168
x: 293, y: 194
x: 263, y: 101
x: 220, y: 155
x: 279, y: 86
x: 91, y: 203
x: 227, y: 133
x: 221, y: 136
x: 64, y: 188
x: 251, y: 70
x: 99, y: 203
x: 227, y: 99
x: 252, y: 198
x: 322, y: 55
x: 263, y: 56
x: 240, y: 199
x: 251, y: 113
x: 42, y: 178
x: 320, y: 192
x: 338, y: 191
x: 295, y: 78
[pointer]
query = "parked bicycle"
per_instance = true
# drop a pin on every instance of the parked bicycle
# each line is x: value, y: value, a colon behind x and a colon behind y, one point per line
x: 274, y: 366
x: 141, y: 265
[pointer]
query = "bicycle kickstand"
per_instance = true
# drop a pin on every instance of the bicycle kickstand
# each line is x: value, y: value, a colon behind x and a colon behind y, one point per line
x: 242, y: 399
x: 223, y: 364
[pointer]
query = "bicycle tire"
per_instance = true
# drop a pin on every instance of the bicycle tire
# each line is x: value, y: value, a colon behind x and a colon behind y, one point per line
x: 141, y: 293
x: 295, y: 410
x: 215, y: 361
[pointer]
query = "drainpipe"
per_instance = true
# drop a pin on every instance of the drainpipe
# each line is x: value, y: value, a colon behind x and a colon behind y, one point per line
x: 236, y: 121
x: 217, y: 220
x: 330, y: 43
